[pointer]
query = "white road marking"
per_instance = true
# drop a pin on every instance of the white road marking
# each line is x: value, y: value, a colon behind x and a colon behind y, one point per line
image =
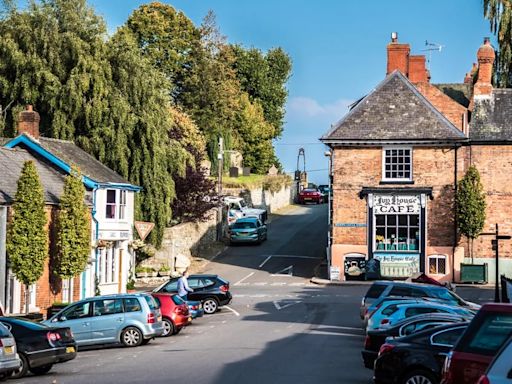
x: 283, y: 306
x: 288, y: 269
x: 264, y: 261
x: 245, y: 278
x: 296, y: 257
x: 320, y: 331
x: 261, y: 283
x: 296, y: 284
x: 280, y: 284
x: 232, y: 310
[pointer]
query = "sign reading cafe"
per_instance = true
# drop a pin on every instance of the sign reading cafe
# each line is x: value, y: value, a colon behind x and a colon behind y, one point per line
x: 396, y: 204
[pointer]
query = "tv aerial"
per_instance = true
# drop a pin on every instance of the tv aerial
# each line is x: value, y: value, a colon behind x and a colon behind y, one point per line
x: 432, y: 47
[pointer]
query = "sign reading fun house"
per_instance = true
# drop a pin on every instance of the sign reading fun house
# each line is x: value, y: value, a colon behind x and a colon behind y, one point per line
x: 396, y: 204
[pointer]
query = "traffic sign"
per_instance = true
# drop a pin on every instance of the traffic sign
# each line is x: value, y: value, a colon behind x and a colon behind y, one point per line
x: 143, y: 228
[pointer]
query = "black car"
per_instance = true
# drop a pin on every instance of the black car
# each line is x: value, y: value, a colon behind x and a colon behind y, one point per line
x: 39, y: 346
x: 417, y: 358
x: 375, y: 338
x: 210, y: 290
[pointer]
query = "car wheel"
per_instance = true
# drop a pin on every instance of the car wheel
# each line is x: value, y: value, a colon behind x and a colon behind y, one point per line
x: 131, y: 337
x: 419, y: 377
x: 145, y: 341
x: 168, y: 328
x: 22, y: 371
x: 177, y: 330
x: 41, y: 370
x: 210, y: 306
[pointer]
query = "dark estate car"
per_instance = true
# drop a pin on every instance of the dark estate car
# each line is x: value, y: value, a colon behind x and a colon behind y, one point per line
x: 375, y: 338
x: 210, y: 290
x: 40, y: 346
x: 417, y: 358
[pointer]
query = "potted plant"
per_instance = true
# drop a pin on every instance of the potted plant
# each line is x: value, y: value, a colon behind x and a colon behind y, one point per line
x: 141, y: 272
x: 164, y: 271
x: 153, y: 272
x: 130, y: 286
x: 55, y: 308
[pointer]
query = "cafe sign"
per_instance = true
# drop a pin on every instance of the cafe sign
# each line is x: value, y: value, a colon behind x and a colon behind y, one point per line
x: 397, y: 204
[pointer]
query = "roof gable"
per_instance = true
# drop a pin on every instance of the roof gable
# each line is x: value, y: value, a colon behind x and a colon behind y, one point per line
x: 65, y: 154
x: 394, y: 110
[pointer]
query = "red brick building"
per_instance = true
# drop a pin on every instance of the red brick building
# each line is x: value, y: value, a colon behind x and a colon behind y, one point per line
x: 397, y: 157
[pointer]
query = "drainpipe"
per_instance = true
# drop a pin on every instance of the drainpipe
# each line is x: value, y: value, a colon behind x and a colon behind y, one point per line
x: 455, y: 188
x: 96, y: 237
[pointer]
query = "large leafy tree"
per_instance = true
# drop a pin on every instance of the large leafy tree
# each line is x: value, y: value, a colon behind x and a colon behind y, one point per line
x: 74, y: 229
x: 27, y: 238
x: 471, y: 205
x: 499, y: 13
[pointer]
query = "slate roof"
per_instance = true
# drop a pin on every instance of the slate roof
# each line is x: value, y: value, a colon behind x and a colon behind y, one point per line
x: 394, y: 110
x: 11, y: 164
x: 491, y: 119
x: 460, y: 92
x: 74, y: 155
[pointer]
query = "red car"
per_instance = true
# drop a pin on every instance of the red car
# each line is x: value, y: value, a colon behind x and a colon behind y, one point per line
x: 310, y: 196
x: 488, y: 331
x: 175, y: 313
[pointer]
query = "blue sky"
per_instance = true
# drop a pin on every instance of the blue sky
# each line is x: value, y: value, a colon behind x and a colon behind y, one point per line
x: 338, y: 48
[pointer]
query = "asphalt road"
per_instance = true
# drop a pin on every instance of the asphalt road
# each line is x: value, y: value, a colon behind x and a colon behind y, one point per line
x: 278, y: 329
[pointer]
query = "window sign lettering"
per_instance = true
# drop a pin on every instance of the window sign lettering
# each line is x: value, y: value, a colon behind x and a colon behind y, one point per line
x: 398, y: 204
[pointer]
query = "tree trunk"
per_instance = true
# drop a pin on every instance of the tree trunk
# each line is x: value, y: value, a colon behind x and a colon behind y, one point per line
x: 27, y: 299
x: 471, y: 250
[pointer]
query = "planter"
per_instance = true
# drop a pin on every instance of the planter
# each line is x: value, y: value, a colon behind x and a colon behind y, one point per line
x: 153, y: 274
x: 131, y: 291
x: 141, y: 274
x: 164, y: 273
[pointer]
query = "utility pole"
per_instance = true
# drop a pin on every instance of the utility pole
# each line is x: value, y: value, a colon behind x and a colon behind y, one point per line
x: 220, y: 168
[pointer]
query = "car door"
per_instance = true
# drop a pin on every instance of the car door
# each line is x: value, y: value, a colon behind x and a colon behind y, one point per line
x: 78, y: 318
x: 197, y: 285
x: 443, y: 342
x: 107, y: 319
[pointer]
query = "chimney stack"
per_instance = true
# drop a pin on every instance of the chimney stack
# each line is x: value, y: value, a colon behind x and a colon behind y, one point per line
x: 28, y: 122
x: 398, y: 56
x: 417, y: 70
x: 486, y: 56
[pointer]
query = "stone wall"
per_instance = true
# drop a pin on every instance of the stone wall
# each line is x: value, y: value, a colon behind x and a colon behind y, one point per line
x: 260, y: 198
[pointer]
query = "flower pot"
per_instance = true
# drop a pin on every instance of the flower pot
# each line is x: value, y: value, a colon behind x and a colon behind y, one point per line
x: 141, y: 274
x: 153, y: 274
x: 164, y: 273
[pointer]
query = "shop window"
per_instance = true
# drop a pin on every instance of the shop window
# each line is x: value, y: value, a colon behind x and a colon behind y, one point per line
x: 108, y: 265
x: 397, y: 232
x: 437, y: 264
x: 397, y: 164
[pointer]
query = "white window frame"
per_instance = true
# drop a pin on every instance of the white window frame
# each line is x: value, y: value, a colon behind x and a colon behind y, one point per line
x: 437, y: 258
x: 384, y: 149
x: 115, y: 204
x: 109, y: 265
x: 120, y: 204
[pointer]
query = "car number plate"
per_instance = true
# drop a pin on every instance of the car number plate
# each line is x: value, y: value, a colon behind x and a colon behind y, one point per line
x: 159, y: 318
x: 307, y: 198
x: 189, y: 319
x: 70, y: 349
x: 8, y: 350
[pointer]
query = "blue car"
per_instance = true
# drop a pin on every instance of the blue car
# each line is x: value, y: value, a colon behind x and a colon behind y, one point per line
x: 248, y: 230
x: 195, y: 308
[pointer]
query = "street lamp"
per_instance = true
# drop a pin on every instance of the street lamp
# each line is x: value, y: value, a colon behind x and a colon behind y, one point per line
x: 329, y: 154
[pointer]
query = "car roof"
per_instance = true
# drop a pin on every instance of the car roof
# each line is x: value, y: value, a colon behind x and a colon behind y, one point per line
x: 205, y: 275
x: 408, y: 284
x: 496, y: 307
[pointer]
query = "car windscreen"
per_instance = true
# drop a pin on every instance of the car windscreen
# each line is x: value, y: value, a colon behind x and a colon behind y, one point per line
x: 446, y: 295
x: 375, y: 291
x: 487, y: 334
x: 27, y: 324
x: 244, y: 225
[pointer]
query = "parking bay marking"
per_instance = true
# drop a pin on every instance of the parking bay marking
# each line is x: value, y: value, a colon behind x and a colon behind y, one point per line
x: 232, y: 310
x: 285, y: 304
x: 245, y: 278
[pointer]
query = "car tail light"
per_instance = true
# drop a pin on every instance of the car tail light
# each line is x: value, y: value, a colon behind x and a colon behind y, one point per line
x: 194, y: 307
x: 151, y: 318
x: 53, y: 337
x: 224, y: 288
x: 181, y: 310
x: 484, y: 380
x: 1, y: 344
x: 384, y: 321
x: 385, y: 348
x: 367, y: 342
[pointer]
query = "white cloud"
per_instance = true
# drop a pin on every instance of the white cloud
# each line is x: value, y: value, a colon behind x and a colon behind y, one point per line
x: 309, y: 107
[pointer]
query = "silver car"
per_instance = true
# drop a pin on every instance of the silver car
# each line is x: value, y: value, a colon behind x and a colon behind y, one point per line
x: 9, y: 360
x: 130, y: 319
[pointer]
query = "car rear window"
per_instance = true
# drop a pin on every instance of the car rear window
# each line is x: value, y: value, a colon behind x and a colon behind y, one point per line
x: 132, y: 305
x: 151, y: 302
x: 413, y: 311
x: 375, y: 291
x: 27, y: 324
x: 177, y: 300
x: 244, y: 225
x: 487, y: 334
x: 4, y: 331
x: 389, y: 310
x: 400, y: 291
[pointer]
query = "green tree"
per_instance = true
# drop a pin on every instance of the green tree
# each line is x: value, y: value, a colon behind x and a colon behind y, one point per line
x: 74, y: 229
x: 499, y: 14
x: 471, y: 205
x: 27, y: 238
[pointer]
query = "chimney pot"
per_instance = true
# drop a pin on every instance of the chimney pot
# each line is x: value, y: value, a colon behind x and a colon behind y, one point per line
x: 394, y: 37
x: 486, y: 56
x: 28, y: 122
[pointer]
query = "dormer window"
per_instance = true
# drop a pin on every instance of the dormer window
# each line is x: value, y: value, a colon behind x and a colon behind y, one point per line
x: 116, y: 204
x: 397, y: 164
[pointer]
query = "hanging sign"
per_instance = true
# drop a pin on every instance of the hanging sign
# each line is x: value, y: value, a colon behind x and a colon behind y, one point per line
x: 397, y: 204
x: 143, y: 228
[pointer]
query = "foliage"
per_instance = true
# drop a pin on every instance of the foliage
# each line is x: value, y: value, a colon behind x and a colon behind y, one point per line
x: 471, y: 204
x: 130, y: 285
x: 144, y: 253
x: 74, y: 229
x: 276, y: 183
x: 266, y: 182
x: 499, y: 13
x: 27, y: 238
x: 264, y: 77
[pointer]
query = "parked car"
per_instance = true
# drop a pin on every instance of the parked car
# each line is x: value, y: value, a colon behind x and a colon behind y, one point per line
x: 325, y: 191
x: 500, y: 370
x: 211, y: 290
x: 488, y: 331
x: 248, y: 230
x: 9, y: 360
x: 394, y: 311
x: 380, y: 289
x: 375, y: 338
x: 240, y: 208
x: 195, y: 308
x: 417, y: 358
x: 130, y: 319
x: 40, y: 346
x: 309, y: 195
x: 175, y: 313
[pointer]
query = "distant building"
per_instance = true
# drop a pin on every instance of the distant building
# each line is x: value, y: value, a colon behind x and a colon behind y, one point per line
x: 397, y: 157
x: 109, y: 195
